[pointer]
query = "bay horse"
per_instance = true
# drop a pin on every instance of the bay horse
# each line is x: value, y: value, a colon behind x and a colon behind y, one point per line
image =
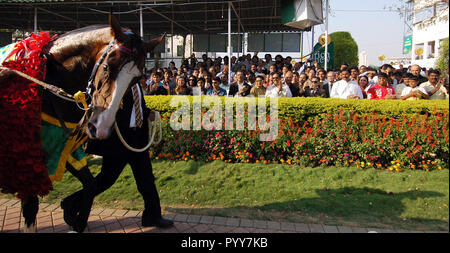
x: 72, y: 63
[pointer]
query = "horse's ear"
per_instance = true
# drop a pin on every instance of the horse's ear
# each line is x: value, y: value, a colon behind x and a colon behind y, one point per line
x: 116, y: 30
x: 149, y: 47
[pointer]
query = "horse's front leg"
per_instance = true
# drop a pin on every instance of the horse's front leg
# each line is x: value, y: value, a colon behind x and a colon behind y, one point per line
x: 30, y: 208
x: 78, y: 209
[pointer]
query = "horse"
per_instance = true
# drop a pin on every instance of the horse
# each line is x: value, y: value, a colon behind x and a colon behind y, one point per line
x: 73, y: 63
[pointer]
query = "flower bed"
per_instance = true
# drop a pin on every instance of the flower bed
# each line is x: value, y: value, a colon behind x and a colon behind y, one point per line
x: 343, y: 138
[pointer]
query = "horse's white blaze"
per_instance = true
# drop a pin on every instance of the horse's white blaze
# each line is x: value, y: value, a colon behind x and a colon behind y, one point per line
x: 107, y: 117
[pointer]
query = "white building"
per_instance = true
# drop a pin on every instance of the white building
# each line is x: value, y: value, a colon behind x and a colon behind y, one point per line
x: 430, y: 28
x: 363, y: 59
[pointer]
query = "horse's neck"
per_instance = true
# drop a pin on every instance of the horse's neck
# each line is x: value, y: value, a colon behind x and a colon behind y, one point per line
x: 70, y: 60
x: 72, y: 57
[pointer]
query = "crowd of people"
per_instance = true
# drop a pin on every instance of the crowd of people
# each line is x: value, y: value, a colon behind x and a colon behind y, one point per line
x: 282, y: 77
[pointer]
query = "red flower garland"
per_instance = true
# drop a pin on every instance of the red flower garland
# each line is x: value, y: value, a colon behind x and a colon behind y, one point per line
x: 22, y: 164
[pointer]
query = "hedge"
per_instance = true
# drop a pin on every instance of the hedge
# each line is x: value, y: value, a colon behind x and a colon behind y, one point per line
x: 303, y: 109
x: 332, y: 133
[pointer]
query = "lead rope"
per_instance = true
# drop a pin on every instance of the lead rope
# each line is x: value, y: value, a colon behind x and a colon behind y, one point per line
x: 77, y: 98
x: 152, y: 126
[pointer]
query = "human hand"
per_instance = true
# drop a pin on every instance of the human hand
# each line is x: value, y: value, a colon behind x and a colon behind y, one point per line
x: 152, y: 116
x: 352, y: 97
x: 389, y: 96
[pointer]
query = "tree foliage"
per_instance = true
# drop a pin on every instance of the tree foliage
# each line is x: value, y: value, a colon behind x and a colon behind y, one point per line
x: 442, y: 61
x: 345, y: 49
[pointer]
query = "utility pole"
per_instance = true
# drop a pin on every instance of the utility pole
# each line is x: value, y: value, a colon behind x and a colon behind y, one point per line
x: 326, y: 36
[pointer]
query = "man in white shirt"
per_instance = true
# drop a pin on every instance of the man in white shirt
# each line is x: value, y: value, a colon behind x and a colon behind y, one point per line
x: 345, y: 88
x: 434, y: 86
x: 278, y: 89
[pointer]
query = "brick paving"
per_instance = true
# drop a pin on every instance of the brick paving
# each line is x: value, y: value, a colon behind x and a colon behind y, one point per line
x: 50, y: 220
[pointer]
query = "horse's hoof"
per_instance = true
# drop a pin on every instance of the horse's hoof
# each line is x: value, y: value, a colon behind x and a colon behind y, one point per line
x: 69, y: 214
x: 30, y: 229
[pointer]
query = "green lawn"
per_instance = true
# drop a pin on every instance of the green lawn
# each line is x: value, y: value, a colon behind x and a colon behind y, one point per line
x: 414, y: 200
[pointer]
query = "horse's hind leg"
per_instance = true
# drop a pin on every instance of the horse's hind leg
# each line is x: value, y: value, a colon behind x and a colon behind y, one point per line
x: 30, y: 208
x: 79, y: 209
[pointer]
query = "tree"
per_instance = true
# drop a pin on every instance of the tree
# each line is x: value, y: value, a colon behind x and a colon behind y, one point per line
x: 345, y: 49
x: 442, y: 61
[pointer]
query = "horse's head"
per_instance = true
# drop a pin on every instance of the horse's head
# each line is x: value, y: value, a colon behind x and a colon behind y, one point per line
x: 119, y: 64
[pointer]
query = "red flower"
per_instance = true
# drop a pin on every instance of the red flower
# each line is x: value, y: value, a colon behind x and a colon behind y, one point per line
x: 22, y: 165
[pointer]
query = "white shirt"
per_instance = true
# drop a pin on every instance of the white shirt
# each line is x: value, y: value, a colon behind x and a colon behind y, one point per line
x: 399, y: 89
x: 372, y: 82
x: 272, y: 91
x: 220, y: 74
x: 439, y: 94
x: 133, y: 113
x: 342, y: 89
x: 408, y: 90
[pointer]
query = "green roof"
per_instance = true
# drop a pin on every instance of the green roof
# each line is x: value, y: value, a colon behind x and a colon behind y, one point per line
x: 188, y: 16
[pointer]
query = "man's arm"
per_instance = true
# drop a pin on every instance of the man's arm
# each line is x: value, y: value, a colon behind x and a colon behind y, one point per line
x: 422, y: 94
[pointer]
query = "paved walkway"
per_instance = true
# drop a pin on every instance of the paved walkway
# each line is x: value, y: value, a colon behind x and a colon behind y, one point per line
x: 50, y: 220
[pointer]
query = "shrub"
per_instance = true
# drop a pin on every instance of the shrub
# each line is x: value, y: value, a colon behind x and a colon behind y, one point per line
x: 340, y: 137
x: 303, y: 109
x: 442, y: 61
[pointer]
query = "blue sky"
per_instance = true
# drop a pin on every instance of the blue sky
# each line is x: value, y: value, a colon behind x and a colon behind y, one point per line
x: 377, y: 32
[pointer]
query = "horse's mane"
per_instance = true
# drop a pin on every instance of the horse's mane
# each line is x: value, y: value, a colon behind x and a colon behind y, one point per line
x: 79, y: 38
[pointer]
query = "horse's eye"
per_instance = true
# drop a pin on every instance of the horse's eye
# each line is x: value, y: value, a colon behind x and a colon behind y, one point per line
x: 105, y: 67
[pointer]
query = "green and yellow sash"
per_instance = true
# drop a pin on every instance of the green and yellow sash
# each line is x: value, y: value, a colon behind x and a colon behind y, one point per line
x: 60, y: 149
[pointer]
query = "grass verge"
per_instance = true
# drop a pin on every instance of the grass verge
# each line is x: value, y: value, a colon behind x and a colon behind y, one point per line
x: 413, y: 200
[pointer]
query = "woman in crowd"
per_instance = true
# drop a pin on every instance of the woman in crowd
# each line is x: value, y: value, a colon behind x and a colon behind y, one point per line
x: 169, y: 81
x: 182, y: 88
x: 363, y: 82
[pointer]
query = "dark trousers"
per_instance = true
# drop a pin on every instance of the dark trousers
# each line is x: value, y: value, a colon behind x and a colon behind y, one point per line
x: 113, y: 164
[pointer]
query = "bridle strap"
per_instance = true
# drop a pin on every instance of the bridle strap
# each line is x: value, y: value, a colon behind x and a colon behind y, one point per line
x: 112, y: 44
